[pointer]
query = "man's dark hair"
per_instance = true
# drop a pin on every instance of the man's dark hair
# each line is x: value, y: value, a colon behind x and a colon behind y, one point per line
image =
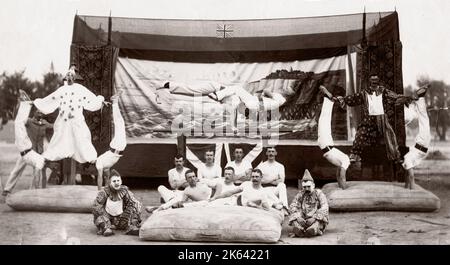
x: 228, y: 168
x: 189, y: 171
x: 210, y: 150
x: 178, y: 156
x: 239, y: 147
x: 271, y: 147
x: 257, y: 170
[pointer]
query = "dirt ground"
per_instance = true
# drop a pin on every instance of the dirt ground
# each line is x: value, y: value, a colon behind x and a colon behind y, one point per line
x: 17, y: 228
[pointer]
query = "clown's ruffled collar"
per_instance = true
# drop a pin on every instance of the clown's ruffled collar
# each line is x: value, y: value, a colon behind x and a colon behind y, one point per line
x: 116, y: 195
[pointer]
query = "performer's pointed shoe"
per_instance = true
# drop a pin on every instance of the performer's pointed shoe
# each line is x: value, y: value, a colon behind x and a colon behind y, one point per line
x: 164, y: 85
x: 325, y: 92
x: 108, y: 232
x: 117, y: 95
x: 213, y: 96
x: 23, y: 96
x: 422, y: 91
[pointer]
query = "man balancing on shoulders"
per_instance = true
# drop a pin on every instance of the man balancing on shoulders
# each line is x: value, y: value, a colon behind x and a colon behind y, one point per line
x: 116, y: 208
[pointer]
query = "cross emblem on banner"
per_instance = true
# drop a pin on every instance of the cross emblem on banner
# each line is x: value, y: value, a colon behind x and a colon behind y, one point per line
x: 224, y: 31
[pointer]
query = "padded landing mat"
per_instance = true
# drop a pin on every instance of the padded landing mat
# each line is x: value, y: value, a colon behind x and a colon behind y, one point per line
x: 213, y: 224
x: 71, y: 198
x: 379, y: 196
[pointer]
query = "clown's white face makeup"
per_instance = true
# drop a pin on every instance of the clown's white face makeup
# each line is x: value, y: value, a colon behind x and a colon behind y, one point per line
x: 308, y: 186
x: 70, y: 76
x: 115, y: 182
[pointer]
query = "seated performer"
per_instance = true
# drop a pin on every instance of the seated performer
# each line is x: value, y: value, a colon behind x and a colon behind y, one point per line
x: 326, y: 143
x: 117, y: 145
x: 196, y: 194
x: 308, y: 210
x: 116, y: 208
x: 177, y: 180
x: 227, y: 180
x: 274, y: 175
x: 243, y: 165
x: 71, y: 137
x: 209, y: 169
x: 29, y: 139
x: 417, y: 153
x: 253, y: 194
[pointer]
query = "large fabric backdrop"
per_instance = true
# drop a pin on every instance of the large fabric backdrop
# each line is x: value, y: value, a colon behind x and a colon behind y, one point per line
x: 292, y: 56
x: 149, y: 112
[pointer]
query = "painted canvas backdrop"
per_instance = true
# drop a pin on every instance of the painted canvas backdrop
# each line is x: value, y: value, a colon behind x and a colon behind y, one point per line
x: 149, y: 112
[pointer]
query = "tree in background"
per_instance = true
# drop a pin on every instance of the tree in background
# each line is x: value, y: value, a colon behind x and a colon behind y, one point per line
x: 9, y: 93
x: 10, y: 84
x: 437, y: 101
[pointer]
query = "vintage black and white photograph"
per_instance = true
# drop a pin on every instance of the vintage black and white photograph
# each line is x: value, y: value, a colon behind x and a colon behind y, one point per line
x: 203, y: 122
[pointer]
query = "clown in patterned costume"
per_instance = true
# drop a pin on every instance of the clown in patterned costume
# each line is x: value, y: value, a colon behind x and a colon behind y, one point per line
x: 116, y: 208
x: 375, y: 122
x: 308, y: 210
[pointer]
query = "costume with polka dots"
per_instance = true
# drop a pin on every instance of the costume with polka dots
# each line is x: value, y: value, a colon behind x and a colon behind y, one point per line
x: 71, y: 137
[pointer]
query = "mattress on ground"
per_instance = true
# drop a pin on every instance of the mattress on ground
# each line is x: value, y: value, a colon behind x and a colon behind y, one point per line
x: 379, y: 196
x: 73, y: 198
x: 216, y: 224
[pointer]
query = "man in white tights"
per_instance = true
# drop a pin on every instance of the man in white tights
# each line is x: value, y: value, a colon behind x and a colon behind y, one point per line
x: 326, y: 143
x: 118, y: 143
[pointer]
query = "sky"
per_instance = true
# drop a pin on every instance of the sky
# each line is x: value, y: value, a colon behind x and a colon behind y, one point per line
x: 35, y: 33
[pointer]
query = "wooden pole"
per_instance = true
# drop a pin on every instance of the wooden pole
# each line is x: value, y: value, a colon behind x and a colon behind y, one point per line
x: 181, y: 144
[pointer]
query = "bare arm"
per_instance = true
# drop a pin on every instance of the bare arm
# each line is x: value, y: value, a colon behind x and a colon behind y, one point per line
x: 172, y: 180
x: 226, y: 193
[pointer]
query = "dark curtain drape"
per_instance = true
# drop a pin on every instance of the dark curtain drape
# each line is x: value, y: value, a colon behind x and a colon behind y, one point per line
x: 385, y: 60
x: 96, y: 65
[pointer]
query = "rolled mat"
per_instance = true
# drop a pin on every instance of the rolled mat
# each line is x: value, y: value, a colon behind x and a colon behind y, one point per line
x: 379, y: 196
x: 71, y: 198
